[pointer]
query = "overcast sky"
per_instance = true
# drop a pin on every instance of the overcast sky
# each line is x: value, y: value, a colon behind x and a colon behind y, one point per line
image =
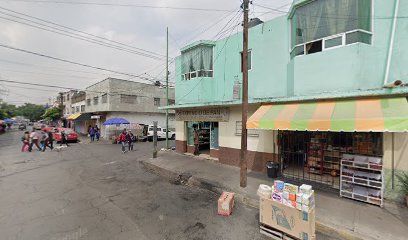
x: 144, y: 28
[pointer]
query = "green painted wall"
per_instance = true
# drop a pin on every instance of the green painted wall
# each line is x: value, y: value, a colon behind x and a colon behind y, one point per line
x: 274, y: 75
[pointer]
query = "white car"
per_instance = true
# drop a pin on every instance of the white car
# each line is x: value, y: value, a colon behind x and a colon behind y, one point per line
x: 161, y: 133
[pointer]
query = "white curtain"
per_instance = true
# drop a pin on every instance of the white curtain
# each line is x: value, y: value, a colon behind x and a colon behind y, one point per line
x: 199, y: 58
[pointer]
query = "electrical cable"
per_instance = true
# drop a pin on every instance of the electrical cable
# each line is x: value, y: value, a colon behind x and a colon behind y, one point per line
x: 123, y: 5
x: 82, y: 32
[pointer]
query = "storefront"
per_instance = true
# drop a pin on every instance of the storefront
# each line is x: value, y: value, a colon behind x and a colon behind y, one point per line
x: 340, y: 145
x: 206, y: 121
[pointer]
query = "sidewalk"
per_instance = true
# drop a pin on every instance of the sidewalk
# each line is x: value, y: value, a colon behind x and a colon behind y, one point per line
x: 334, y: 215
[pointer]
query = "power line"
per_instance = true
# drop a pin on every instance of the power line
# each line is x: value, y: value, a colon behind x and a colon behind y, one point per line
x: 82, y: 32
x: 74, y: 35
x: 124, y: 5
x: 49, y: 74
x: 74, y: 63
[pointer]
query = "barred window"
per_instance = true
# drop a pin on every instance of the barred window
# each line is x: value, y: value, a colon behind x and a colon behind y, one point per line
x: 95, y: 100
x: 130, y: 99
x: 156, y: 101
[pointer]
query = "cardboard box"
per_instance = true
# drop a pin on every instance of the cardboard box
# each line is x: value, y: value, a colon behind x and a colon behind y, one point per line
x: 290, y: 188
x: 226, y: 203
x: 289, y: 220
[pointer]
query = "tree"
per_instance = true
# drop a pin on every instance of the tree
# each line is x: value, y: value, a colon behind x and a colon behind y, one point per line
x: 52, y: 114
x: 31, y: 111
x: 9, y: 110
x: 3, y: 114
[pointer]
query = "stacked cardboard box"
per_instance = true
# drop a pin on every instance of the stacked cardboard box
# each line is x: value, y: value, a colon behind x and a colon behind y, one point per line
x: 291, y: 210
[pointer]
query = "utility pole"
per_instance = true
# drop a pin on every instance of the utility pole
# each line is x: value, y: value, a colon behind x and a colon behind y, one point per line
x: 167, y: 90
x: 244, y: 143
x: 155, y: 139
x: 61, y: 107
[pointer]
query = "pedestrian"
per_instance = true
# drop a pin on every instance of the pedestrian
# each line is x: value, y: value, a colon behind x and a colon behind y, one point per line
x: 122, y: 140
x: 34, y: 138
x: 43, y: 140
x: 92, y: 134
x: 97, y: 133
x: 50, y: 141
x: 64, y: 139
x: 26, y: 141
x: 196, y: 141
x: 130, y: 139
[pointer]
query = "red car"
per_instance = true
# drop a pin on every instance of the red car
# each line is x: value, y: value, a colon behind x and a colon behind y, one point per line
x: 71, y: 135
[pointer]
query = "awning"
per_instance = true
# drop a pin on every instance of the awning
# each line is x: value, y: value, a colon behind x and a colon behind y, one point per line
x: 360, y: 115
x: 73, y: 116
x: 84, y: 117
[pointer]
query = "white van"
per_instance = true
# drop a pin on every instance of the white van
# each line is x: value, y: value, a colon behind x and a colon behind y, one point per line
x: 161, y: 133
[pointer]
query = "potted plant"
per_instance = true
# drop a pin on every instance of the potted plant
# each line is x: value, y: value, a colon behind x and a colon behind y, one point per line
x: 403, y: 179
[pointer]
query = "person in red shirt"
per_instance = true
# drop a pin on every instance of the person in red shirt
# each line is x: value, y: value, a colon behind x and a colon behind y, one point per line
x: 122, y: 140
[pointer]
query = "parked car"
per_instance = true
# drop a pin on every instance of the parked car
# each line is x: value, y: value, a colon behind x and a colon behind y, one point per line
x: 38, y: 125
x: 161, y: 133
x: 71, y: 135
x: 22, y: 126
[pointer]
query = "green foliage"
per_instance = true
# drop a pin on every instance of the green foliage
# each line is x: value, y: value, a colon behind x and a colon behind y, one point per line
x: 52, y: 114
x: 28, y: 110
x: 403, y: 180
x: 3, y: 114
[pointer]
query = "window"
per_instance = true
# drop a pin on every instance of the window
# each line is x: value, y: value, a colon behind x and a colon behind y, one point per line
x: 77, y: 109
x: 324, y: 24
x: 63, y: 98
x: 88, y: 102
x: 156, y: 101
x: 72, y: 109
x: 198, y: 62
x: 251, y: 132
x: 249, y: 60
x: 105, y: 98
x: 82, y: 108
x: 130, y: 99
x: 67, y: 97
x: 95, y: 100
x: 172, y: 102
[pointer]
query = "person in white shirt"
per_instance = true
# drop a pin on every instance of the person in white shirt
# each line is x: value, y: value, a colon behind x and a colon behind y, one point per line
x: 34, y: 140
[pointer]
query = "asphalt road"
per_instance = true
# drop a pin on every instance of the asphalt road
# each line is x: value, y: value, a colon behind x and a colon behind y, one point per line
x: 93, y: 191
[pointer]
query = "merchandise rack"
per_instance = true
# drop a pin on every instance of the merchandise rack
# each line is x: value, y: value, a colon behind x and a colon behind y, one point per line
x: 350, y: 182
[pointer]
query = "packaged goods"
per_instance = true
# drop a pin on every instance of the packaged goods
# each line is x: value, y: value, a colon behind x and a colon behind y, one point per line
x: 306, y: 208
x: 289, y: 203
x: 299, y: 197
x: 306, y: 189
x: 298, y: 206
x: 226, y: 203
x: 285, y: 195
x: 290, y: 188
x: 278, y: 185
x: 277, y: 197
x: 308, y: 199
x: 264, y: 191
x: 292, y: 197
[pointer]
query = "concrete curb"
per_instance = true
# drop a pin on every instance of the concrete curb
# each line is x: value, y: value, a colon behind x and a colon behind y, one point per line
x: 216, y: 187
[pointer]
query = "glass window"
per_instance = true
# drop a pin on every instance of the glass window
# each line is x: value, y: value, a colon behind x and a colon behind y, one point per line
x: 82, y: 108
x: 324, y: 18
x: 299, y: 50
x: 333, y: 42
x: 129, y: 99
x: 88, y: 102
x: 172, y: 101
x: 77, y: 109
x: 156, y: 101
x: 105, y: 98
x: 95, y: 100
x: 358, y: 36
x: 197, y: 62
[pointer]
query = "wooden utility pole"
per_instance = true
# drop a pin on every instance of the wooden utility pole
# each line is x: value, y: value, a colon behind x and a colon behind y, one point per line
x: 155, y: 139
x: 244, y: 143
x: 167, y: 90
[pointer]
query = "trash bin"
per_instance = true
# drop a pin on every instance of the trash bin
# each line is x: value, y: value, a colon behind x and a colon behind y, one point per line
x: 272, y: 169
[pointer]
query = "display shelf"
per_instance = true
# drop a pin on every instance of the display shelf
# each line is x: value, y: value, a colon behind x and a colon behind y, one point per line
x: 362, y: 187
x: 315, y: 157
x: 360, y: 165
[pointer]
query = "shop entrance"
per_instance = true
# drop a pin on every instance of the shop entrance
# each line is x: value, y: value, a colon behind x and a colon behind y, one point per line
x: 208, y: 136
x: 316, y: 156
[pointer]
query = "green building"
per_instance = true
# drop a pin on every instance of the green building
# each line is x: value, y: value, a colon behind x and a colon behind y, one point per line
x: 316, y: 93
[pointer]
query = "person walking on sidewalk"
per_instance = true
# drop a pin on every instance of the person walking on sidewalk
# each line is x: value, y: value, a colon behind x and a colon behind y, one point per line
x: 64, y: 139
x: 44, y: 140
x: 196, y: 141
x: 34, y: 140
x: 97, y: 132
x: 122, y: 140
x: 26, y: 141
x: 130, y: 139
x: 92, y: 134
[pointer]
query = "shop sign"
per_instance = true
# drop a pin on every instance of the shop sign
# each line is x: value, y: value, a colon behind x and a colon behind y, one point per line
x: 203, y: 115
x: 95, y: 117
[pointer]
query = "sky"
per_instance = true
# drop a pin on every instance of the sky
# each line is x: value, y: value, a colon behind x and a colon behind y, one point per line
x: 140, y: 27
